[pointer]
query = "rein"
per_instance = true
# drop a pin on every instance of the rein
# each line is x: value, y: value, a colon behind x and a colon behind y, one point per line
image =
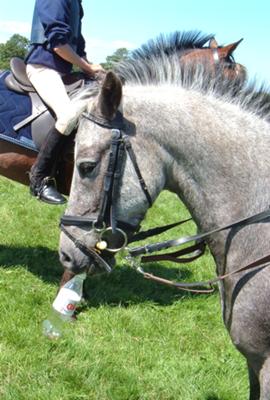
x: 207, y: 285
x: 200, y: 244
x: 108, y: 227
x: 137, y: 251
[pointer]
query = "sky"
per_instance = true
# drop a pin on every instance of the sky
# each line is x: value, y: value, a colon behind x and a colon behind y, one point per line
x: 109, y: 25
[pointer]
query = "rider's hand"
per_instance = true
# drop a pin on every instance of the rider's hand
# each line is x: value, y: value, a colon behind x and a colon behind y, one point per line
x: 93, y: 69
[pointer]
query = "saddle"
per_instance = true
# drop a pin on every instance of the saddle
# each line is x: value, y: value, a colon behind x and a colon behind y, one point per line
x: 18, y: 81
x: 41, y: 118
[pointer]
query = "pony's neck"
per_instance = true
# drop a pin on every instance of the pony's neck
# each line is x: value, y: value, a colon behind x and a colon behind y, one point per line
x: 215, y: 155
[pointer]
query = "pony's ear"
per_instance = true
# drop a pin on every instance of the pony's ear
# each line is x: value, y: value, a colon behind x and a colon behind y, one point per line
x: 110, y: 95
x: 229, y: 49
x: 213, y: 43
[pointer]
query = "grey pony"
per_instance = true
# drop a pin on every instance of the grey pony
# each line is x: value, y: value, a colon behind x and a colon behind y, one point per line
x: 207, y: 141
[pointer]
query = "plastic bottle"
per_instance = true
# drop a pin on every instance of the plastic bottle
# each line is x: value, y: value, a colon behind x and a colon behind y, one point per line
x: 63, y: 307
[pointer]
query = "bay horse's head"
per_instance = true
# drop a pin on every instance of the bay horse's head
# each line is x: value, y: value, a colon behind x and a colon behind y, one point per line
x: 217, y: 58
x: 108, y: 198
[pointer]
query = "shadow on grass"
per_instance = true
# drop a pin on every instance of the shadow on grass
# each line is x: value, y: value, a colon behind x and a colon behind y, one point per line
x: 123, y: 286
x: 39, y: 260
x: 126, y: 287
x: 213, y: 396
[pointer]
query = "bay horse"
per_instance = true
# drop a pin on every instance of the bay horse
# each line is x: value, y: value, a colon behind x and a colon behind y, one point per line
x: 201, y: 139
x: 16, y: 158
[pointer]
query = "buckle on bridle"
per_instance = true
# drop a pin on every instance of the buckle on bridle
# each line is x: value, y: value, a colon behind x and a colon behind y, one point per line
x: 99, y: 226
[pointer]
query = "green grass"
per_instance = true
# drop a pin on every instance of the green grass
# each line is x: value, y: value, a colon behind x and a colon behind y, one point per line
x: 134, y: 339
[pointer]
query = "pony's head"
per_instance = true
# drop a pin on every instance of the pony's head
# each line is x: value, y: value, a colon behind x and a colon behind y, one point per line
x: 108, y: 196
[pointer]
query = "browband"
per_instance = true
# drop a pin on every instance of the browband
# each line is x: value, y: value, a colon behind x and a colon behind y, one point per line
x: 116, y: 123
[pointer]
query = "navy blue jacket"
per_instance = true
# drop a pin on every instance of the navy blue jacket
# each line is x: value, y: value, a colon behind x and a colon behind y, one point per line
x: 53, y: 25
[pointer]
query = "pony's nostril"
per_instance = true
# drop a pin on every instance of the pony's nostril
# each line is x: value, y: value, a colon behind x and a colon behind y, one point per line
x: 65, y: 258
x: 69, y: 263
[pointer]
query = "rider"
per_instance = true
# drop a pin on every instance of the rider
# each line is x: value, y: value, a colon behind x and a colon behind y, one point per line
x: 56, y: 45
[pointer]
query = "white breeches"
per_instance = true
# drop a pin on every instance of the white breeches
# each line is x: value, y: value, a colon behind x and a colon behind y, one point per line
x: 49, y: 85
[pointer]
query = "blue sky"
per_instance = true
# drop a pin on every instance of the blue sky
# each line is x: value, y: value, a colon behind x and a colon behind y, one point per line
x: 109, y: 25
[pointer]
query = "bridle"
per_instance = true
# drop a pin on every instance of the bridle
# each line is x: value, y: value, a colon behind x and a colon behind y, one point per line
x: 109, y: 228
x: 218, y: 62
x: 228, y: 62
x: 105, y: 224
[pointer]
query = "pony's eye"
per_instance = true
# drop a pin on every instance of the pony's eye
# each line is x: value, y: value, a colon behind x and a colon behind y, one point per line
x: 86, y: 168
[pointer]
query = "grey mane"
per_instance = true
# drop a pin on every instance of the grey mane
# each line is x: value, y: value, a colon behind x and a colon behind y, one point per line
x: 165, y: 69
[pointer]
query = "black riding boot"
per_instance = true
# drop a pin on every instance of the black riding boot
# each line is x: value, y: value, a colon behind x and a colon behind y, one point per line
x: 42, y: 184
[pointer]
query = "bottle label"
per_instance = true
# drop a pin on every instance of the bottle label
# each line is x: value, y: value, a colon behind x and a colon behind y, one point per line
x: 66, y: 301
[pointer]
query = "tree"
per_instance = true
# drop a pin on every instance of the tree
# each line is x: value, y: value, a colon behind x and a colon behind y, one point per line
x: 120, y: 54
x: 16, y: 46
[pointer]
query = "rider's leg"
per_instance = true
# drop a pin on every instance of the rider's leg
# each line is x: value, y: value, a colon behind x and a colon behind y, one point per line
x: 51, y: 89
x: 42, y: 184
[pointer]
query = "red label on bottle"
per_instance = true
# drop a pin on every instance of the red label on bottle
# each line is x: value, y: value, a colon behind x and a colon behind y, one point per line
x: 71, y: 307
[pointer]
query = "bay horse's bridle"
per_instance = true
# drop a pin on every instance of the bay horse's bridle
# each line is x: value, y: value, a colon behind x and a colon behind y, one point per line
x: 229, y: 61
x: 218, y: 62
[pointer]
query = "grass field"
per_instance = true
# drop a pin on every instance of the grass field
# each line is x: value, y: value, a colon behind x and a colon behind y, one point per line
x: 134, y: 340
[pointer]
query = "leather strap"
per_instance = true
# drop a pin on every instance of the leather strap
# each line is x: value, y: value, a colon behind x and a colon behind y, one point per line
x: 196, y: 251
x: 109, y: 179
x: 137, y: 251
x: 90, y: 253
x: 206, y: 286
x: 117, y: 181
x: 156, y: 231
x: 137, y: 170
x: 116, y: 123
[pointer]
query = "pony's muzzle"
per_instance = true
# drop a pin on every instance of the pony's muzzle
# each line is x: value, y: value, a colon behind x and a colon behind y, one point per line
x: 112, y: 240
